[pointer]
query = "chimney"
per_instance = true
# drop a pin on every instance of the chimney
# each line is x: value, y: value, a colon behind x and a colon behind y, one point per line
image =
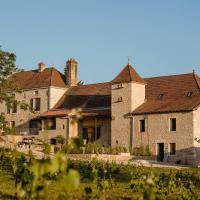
x: 41, y: 67
x: 71, y: 72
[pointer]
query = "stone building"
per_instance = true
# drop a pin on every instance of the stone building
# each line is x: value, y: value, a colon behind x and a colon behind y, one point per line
x: 161, y: 112
x: 41, y: 89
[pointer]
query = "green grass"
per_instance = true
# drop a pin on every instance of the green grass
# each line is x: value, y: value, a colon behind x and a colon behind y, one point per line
x: 7, y: 185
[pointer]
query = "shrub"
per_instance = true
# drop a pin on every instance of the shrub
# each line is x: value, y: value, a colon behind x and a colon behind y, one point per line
x: 141, y: 151
x: 60, y: 139
x: 46, y: 148
x: 56, y: 149
x: 76, y: 142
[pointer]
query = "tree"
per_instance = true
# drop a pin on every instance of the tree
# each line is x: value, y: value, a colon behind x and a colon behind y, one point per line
x: 7, y: 87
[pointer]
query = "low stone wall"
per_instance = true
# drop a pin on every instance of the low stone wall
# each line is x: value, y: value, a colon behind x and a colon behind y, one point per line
x: 144, y: 157
x: 102, y: 157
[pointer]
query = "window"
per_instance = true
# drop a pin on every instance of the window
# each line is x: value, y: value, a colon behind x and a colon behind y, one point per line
x: 119, y: 86
x: 173, y: 124
x: 35, y: 104
x: 98, y: 133
x: 50, y: 124
x: 12, y: 107
x: 172, y: 148
x: 36, y: 92
x: 142, y: 125
x: 12, y: 124
x: 35, y: 124
x: 89, y: 134
x: 160, y: 96
x: 189, y: 94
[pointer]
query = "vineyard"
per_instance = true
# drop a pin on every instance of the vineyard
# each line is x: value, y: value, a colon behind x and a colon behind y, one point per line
x: 23, y: 177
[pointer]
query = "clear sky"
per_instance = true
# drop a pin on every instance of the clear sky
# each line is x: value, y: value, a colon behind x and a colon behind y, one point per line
x: 161, y: 37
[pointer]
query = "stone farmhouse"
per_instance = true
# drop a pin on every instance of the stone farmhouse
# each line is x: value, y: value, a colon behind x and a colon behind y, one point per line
x: 131, y: 111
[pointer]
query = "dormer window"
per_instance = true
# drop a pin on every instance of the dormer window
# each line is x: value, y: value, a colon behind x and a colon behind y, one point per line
x: 189, y: 94
x: 160, y: 96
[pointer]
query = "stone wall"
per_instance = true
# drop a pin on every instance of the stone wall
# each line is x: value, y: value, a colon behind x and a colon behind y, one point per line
x: 196, y: 121
x: 101, y: 157
x: 105, y: 125
x: 157, y: 130
x: 130, y: 96
x: 55, y: 93
x: 76, y: 129
x: 22, y: 117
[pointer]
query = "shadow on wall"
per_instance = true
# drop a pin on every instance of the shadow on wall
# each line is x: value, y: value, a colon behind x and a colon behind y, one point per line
x: 188, y: 156
x: 29, y: 128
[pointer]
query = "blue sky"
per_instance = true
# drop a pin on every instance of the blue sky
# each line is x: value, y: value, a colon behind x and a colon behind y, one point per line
x: 161, y: 37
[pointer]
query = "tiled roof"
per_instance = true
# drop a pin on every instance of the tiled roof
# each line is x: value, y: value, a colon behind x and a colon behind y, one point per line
x: 96, y: 98
x: 174, y: 90
x: 86, y: 96
x: 57, y: 113
x: 128, y: 74
x: 35, y: 79
x: 84, y: 113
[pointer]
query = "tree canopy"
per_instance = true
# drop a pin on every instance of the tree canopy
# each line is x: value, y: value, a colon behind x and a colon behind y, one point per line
x: 7, y: 87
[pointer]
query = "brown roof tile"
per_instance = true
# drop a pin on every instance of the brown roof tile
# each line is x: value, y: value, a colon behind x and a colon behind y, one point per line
x: 35, y: 79
x: 174, y: 89
x: 84, y: 113
x: 86, y: 96
x: 95, y: 97
x: 128, y: 74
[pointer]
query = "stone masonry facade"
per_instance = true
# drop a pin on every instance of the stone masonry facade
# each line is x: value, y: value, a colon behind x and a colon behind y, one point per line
x: 161, y: 113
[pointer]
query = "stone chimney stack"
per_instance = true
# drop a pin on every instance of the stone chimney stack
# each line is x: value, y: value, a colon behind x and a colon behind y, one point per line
x: 71, y: 72
x: 41, y: 67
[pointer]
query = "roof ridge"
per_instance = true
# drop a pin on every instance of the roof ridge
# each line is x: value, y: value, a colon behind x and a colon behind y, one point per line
x: 128, y: 74
x: 91, y: 84
x: 129, y: 71
x: 168, y: 75
x: 51, y: 76
x: 195, y: 77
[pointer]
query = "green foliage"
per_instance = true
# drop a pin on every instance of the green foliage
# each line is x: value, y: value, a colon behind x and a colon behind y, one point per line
x: 34, y: 179
x: 7, y: 65
x: 7, y: 87
x: 76, y: 142
x: 141, y: 151
x: 60, y: 139
x: 46, y: 149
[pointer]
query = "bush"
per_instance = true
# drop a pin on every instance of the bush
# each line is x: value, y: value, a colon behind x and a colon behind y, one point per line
x: 60, y: 139
x: 141, y: 151
x: 46, y: 148
x: 56, y: 149
x: 76, y: 142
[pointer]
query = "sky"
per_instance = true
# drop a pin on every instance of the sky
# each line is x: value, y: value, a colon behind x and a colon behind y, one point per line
x: 161, y: 37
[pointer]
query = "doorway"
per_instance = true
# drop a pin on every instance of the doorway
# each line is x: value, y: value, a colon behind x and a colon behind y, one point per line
x: 160, y: 152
